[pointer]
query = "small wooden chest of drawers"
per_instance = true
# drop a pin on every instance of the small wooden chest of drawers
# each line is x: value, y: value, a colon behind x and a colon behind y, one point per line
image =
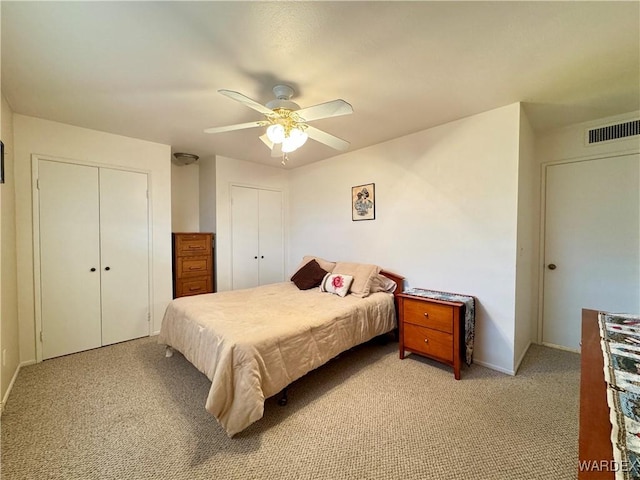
x: 192, y: 264
x: 431, y: 328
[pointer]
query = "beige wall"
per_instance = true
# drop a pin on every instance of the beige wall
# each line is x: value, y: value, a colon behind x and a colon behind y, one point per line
x: 527, y: 269
x: 36, y: 136
x: 9, y: 336
x: 568, y: 143
x: 446, y: 216
x: 207, y: 192
x: 185, y: 186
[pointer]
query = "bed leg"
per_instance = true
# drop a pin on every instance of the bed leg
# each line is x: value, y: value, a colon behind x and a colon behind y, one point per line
x: 168, y: 351
x: 283, y: 398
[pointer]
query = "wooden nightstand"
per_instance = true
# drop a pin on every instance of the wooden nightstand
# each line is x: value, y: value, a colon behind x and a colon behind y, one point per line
x: 432, y: 328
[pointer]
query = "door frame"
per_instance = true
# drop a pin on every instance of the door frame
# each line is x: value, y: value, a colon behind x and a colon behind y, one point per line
x: 542, y: 236
x: 35, y: 208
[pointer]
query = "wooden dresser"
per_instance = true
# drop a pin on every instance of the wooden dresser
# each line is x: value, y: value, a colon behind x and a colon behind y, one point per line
x: 431, y: 328
x: 594, y: 441
x: 192, y: 264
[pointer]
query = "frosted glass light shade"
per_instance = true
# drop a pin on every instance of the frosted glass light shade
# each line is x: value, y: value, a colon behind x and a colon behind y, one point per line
x: 295, y: 140
x: 275, y: 133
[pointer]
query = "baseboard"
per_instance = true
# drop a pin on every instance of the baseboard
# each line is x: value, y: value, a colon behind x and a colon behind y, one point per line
x: 13, y: 380
x: 561, y: 347
x: 517, y: 365
x: 494, y: 367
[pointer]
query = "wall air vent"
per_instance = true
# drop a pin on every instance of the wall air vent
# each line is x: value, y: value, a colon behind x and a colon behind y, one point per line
x: 613, y: 132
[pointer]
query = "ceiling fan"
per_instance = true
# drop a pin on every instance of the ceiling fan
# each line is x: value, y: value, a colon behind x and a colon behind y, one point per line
x: 286, y: 122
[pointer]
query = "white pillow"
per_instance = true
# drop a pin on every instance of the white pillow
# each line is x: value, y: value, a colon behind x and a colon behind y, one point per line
x: 336, y: 283
x: 380, y: 283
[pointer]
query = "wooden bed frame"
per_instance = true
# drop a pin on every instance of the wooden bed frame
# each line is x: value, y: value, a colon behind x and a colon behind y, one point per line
x: 594, y: 443
x: 399, y: 281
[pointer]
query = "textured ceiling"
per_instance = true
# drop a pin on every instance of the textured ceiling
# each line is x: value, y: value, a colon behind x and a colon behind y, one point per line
x: 151, y: 70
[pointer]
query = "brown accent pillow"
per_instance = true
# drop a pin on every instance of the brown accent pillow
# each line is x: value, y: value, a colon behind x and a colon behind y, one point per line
x: 308, y: 276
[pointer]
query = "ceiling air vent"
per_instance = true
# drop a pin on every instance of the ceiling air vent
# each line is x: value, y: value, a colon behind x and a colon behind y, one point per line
x: 613, y: 132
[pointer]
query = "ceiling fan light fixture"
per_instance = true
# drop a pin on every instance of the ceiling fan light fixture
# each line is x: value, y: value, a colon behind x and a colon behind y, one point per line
x: 286, y: 124
x: 276, y: 133
x: 297, y: 137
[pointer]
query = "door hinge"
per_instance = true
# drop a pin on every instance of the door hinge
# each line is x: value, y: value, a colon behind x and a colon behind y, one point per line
x: 37, y: 183
x: 41, y: 335
x: 147, y: 193
x: 148, y: 316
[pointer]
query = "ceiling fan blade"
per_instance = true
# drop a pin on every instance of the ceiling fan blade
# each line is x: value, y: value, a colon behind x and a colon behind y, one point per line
x: 266, y: 141
x: 276, y: 148
x: 327, y: 138
x: 239, y: 126
x: 334, y: 108
x: 247, y: 101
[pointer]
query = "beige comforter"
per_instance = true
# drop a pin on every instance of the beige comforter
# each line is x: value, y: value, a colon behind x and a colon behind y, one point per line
x: 252, y: 343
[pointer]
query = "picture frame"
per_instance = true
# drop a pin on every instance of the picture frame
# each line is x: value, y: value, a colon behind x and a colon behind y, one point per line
x: 363, y: 202
x: 1, y: 162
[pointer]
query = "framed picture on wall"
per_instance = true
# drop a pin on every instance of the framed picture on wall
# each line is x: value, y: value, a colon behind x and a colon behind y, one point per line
x: 363, y: 202
x: 1, y: 162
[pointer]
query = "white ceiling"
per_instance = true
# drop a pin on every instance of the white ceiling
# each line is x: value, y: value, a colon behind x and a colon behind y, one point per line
x: 151, y: 70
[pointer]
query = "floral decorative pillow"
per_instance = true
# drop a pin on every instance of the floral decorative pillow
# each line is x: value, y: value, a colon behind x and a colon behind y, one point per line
x: 336, y: 283
x: 362, y: 274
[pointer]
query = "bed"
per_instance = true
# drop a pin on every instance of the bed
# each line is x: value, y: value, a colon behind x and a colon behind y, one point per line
x: 253, y: 343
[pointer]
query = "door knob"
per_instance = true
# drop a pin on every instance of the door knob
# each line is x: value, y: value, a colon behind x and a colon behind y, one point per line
x: 107, y: 268
x: 93, y: 269
x: 552, y: 266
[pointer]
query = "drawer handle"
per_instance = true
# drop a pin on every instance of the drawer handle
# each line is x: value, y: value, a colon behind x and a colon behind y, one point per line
x: 426, y: 315
x: 194, y: 247
x: 195, y: 268
x: 426, y: 340
x: 194, y: 289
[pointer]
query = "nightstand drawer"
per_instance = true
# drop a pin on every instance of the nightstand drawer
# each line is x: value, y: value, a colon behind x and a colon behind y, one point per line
x: 429, y: 342
x: 431, y: 315
x: 193, y: 286
x: 193, y: 266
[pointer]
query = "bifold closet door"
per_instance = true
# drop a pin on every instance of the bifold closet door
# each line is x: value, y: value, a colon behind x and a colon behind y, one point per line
x: 69, y: 258
x: 257, y: 239
x: 244, y: 237
x: 270, y: 232
x: 124, y: 247
x: 94, y: 256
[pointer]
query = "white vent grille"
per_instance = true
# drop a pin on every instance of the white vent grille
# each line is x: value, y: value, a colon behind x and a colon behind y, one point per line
x: 613, y: 132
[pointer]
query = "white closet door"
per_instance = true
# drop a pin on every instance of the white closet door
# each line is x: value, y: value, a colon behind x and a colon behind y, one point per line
x: 124, y: 243
x: 69, y: 250
x: 271, y: 237
x: 244, y: 237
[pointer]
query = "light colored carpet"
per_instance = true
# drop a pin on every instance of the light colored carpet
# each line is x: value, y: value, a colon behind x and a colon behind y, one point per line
x: 127, y: 412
